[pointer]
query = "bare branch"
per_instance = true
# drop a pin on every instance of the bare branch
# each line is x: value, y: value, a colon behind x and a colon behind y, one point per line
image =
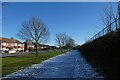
x: 35, y: 31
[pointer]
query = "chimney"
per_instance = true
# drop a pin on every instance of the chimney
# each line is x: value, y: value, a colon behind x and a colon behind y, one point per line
x: 11, y: 37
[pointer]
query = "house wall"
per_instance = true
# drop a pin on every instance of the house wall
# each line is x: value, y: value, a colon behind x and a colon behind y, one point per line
x: 12, y: 46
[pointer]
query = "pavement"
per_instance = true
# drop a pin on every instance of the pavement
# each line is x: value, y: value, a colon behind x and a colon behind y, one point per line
x: 70, y: 65
x: 14, y: 54
x: 18, y: 54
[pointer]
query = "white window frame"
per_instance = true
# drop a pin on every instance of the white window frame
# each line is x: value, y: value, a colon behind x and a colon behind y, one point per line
x: 19, y: 44
x: 4, y: 44
x: 15, y: 44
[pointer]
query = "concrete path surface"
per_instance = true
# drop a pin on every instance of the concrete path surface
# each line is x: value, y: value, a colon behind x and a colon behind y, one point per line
x: 70, y: 65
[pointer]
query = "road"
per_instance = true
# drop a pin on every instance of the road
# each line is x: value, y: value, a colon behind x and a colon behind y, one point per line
x: 14, y: 54
x: 18, y: 53
x: 69, y: 65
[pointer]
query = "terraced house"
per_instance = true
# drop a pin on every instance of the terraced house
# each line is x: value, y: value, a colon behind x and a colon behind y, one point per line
x: 11, y: 45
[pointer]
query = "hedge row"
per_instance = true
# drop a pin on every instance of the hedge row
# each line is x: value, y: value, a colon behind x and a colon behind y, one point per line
x: 104, y: 54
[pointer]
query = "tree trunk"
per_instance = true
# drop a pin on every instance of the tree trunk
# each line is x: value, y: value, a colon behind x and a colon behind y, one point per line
x: 36, y: 50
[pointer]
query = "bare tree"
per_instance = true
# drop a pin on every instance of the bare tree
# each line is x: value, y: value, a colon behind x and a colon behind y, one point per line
x: 70, y: 43
x: 119, y: 14
x: 61, y: 39
x: 64, y: 41
x: 34, y: 31
x: 109, y: 16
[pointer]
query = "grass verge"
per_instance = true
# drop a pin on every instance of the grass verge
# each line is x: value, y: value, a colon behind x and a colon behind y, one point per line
x: 12, y: 64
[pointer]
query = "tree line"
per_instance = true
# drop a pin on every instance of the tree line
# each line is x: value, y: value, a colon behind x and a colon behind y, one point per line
x: 64, y: 41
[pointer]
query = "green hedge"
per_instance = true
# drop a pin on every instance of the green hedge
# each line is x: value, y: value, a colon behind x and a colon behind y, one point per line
x: 104, y: 54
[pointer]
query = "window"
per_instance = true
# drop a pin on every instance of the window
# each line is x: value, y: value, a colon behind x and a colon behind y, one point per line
x: 4, y: 44
x: 15, y: 44
x: 19, y: 44
x: 11, y: 44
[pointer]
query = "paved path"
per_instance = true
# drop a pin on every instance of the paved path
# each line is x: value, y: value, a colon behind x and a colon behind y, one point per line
x: 69, y: 65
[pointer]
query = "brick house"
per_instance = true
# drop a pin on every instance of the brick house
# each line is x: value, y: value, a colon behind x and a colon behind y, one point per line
x: 28, y: 46
x: 47, y: 47
x: 11, y: 45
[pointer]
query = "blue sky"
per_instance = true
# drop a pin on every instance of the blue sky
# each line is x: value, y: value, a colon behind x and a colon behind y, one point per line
x: 80, y: 20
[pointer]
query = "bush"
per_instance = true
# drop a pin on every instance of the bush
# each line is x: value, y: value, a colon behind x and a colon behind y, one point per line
x: 103, y: 53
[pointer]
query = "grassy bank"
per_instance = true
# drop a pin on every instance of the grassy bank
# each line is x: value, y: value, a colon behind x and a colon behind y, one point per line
x: 104, y: 54
x: 12, y: 64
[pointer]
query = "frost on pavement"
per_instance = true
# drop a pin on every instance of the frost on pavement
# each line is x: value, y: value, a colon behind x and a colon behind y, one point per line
x: 69, y: 65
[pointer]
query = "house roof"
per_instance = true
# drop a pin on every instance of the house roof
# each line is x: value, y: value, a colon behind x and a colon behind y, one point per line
x: 43, y: 45
x: 53, y: 46
x: 9, y: 40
